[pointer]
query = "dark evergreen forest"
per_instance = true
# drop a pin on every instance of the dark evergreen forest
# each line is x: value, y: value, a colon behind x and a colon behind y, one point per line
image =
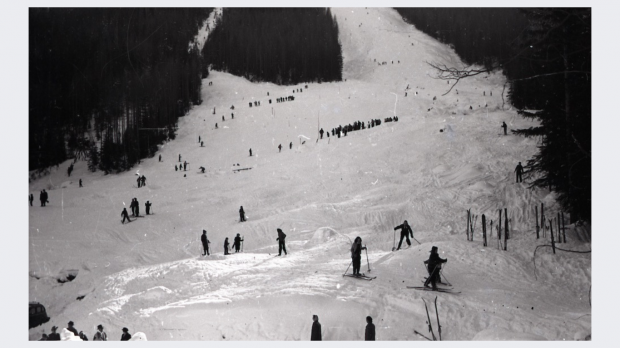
x: 280, y: 45
x: 108, y: 84
x: 546, y: 57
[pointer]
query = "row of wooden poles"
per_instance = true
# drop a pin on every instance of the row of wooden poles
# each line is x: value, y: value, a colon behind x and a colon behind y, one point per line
x: 546, y: 224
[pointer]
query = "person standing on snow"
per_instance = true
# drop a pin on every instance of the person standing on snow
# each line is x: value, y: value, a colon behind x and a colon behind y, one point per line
x: 369, y: 335
x: 72, y: 329
x: 316, y: 329
x: 125, y: 215
x: 241, y: 214
x: 250, y: 152
x: 126, y: 335
x: 205, y: 243
x: 100, y: 335
x: 139, y: 180
x: 281, y: 245
x: 433, y: 265
x: 290, y: 146
x: 519, y: 171
x: 30, y: 199
x: 356, y: 255
x: 504, y: 126
x: 147, y: 206
x: 54, y: 336
x: 280, y: 148
x: 226, y: 246
x: 321, y: 132
x: 237, y: 243
x: 404, y: 232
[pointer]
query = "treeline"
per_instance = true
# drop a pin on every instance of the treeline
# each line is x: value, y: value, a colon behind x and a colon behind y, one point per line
x: 108, y: 84
x: 546, y: 57
x: 279, y: 45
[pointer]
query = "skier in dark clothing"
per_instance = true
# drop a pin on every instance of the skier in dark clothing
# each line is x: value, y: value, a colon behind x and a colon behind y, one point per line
x: 205, y: 243
x: 202, y: 169
x: 137, y: 207
x: 519, y: 171
x: 72, y: 329
x: 41, y: 198
x: 125, y: 215
x: 356, y: 255
x: 126, y: 335
x: 370, y: 330
x: 404, y: 232
x: 250, y: 152
x: 241, y: 214
x: 280, y: 148
x: 80, y: 182
x: 179, y: 157
x: 139, y: 180
x: 185, y: 166
x: 290, y: 146
x: 433, y: 265
x: 176, y: 168
x: 147, y: 206
x: 143, y: 178
x: 281, y: 245
x: 321, y: 132
x: 316, y: 329
x: 132, y: 205
x: 69, y: 170
x: 160, y: 158
x: 31, y: 199
x: 237, y: 243
x: 226, y: 246
x: 504, y: 126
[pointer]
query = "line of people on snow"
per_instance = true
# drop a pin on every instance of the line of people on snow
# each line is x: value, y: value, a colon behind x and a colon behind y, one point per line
x: 135, y: 210
x: 70, y: 333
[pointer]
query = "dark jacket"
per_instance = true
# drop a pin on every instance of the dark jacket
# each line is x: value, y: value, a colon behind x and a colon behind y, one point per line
x: 370, y: 332
x: 75, y: 332
x: 405, y: 229
x: 53, y: 337
x: 237, y: 240
x: 281, y: 236
x: 356, y: 250
x: 434, y: 260
x: 316, y: 332
x: 204, y: 239
x: 126, y: 336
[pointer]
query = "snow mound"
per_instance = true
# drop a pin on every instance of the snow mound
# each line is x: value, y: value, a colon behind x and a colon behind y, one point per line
x: 323, y: 235
x: 500, y: 334
x: 138, y: 336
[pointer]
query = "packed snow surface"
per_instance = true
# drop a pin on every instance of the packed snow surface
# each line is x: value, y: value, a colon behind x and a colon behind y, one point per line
x: 148, y: 275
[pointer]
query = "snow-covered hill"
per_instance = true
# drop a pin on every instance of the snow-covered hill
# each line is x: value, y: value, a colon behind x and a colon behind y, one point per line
x: 148, y: 276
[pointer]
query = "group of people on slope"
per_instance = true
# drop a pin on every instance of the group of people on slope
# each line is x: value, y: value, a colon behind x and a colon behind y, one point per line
x: 70, y: 333
x: 317, y: 335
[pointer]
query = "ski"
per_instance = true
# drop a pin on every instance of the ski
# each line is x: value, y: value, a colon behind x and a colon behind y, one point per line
x: 361, y: 276
x: 446, y: 284
x: 419, y: 334
x: 449, y: 291
x: 430, y: 326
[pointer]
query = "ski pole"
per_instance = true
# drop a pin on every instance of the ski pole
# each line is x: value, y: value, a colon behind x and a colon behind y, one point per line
x: 394, y: 241
x: 438, y: 324
x: 416, y: 240
x: 367, y: 259
x: 345, y: 272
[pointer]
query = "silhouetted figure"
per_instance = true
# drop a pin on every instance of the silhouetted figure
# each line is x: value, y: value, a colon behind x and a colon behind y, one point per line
x: 80, y: 182
x: 433, y: 265
x: 69, y: 170
x: 519, y: 171
x: 281, y: 244
x: 250, y: 152
x: 237, y: 243
x: 125, y: 215
x: 356, y: 255
x: 71, y: 328
x: 147, y: 207
x: 126, y: 335
x: 316, y: 329
x: 179, y: 157
x: 216, y: 126
x: 205, y: 243
x: 223, y: 118
x: 369, y: 335
x: 199, y: 139
x: 290, y: 146
x: 241, y: 214
x: 139, y: 181
x: 202, y: 169
x: 226, y: 246
x: 321, y: 132
x: 504, y: 126
x: 54, y: 336
x: 160, y: 158
x: 185, y: 166
x: 280, y: 148
x: 405, y: 231
x: 176, y: 168
x: 30, y: 199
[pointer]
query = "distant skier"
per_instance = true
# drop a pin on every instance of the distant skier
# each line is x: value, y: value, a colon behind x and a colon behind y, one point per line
x: 125, y: 215
x: 205, y: 243
x: 100, y: 335
x: 132, y: 205
x: 241, y: 214
x: 202, y: 169
x: 202, y: 144
x: 280, y: 148
x: 30, y: 199
x: 160, y: 158
x: 237, y: 243
x: 519, y: 171
x: 321, y: 132
x: 369, y: 335
x: 199, y: 139
x: 316, y: 329
x: 226, y: 246
x: 185, y: 166
x: 176, y: 168
x: 81, y: 183
x: 126, y: 336
x: 72, y: 329
x: 433, y: 265
x: 356, y: 255
x: 139, y: 180
x: 216, y: 126
x: 223, y: 119
x: 281, y: 245
x: 405, y: 231
x: 54, y: 336
x: 147, y: 206
x: 179, y: 157
x: 250, y: 152
x: 290, y: 146
x: 143, y: 179
x: 504, y: 126
x: 69, y: 170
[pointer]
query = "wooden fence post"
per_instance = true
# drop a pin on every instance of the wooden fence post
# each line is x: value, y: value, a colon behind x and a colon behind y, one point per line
x: 468, y: 219
x: 559, y: 230
x: 484, y: 229
x: 505, y: 228
x: 537, y: 226
x: 542, y: 219
x: 552, y: 240
x: 563, y: 227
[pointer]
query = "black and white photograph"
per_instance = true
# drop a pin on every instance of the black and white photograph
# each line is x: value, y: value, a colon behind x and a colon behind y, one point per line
x: 349, y: 172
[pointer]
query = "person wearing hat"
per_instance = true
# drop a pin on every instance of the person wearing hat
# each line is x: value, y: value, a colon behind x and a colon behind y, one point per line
x: 433, y: 265
x: 72, y: 329
x: 126, y: 335
x: 241, y: 214
x: 148, y: 207
x: 43, y: 337
x: 369, y: 335
x: 237, y: 243
x: 226, y: 246
x: 281, y: 245
x: 54, y: 336
x: 83, y: 336
x: 100, y: 335
x: 205, y: 243
x: 356, y: 255
x: 519, y: 171
x: 316, y: 329
x: 405, y: 231
x: 125, y: 215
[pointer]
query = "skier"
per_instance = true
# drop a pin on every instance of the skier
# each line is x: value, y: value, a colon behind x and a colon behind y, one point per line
x: 356, y: 254
x: 202, y: 169
x: 433, y: 265
x: 147, y: 206
x: 237, y: 243
x: 504, y: 126
x: 139, y: 180
x: 316, y: 329
x: 199, y: 138
x: 519, y: 171
x: 132, y: 205
x: 143, y: 180
x: 290, y: 146
x: 280, y: 148
x: 54, y: 336
x: 281, y: 245
x: 71, y: 328
x: 185, y: 166
x: 223, y: 118
x: 137, y: 207
x: 250, y: 152
x: 205, y: 243
x: 31, y: 199
x: 160, y: 158
x: 126, y: 335
x: 370, y: 330
x: 176, y: 168
x: 216, y: 126
x: 404, y: 232
x: 100, y: 335
x: 69, y: 170
x: 226, y: 246
x: 321, y: 132
x: 202, y: 144
x: 179, y: 157
x: 125, y: 215
x: 241, y: 214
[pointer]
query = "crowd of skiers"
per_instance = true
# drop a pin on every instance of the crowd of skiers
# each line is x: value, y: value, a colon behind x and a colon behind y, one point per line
x: 70, y: 333
x: 135, y: 210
